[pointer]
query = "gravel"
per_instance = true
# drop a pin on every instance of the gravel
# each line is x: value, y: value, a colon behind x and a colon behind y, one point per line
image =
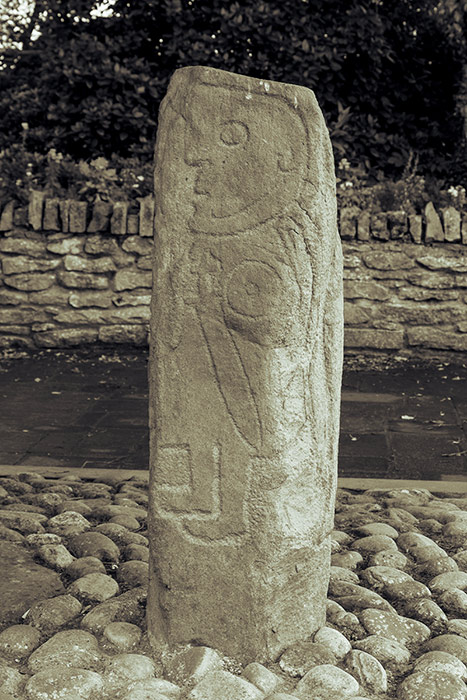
x: 396, y: 613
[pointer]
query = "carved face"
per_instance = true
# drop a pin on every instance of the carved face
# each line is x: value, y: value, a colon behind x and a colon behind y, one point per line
x: 249, y: 164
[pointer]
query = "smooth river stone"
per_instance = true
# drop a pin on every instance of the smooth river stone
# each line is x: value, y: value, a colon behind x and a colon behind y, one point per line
x: 245, y: 366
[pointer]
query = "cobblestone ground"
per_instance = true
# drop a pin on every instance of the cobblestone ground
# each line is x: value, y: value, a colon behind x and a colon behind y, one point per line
x: 73, y: 584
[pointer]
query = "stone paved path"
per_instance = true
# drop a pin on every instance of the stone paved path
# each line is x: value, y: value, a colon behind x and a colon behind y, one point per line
x: 89, y: 409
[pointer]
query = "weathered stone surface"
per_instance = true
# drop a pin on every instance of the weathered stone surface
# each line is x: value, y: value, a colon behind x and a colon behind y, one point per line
x: 452, y: 224
x: 36, y: 209
x: 428, y: 337
x: 32, y: 282
x: 365, y: 290
x: 415, y: 227
x: 22, y: 245
x: 18, y: 641
x: 123, y: 636
x: 94, y: 588
x: 128, y: 333
x: 118, y: 220
x: 426, y: 685
x: 131, y: 299
x: 369, y: 338
x: 146, y: 216
x: 77, y: 213
x: 363, y: 226
x: 21, y: 263
x: 132, y: 279
x: 264, y: 679
x: 136, y: 244
x: 51, y: 220
x: 367, y: 670
x: 222, y: 685
x: 434, y: 229
x: 388, y: 260
x: 51, y: 614
x: 78, y: 300
x: 69, y: 648
x: 127, y: 607
x: 82, y: 264
x: 101, y: 212
x: 302, y: 656
x: 132, y: 224
x: 379, y: 226
x: 189, y: 666
x: 66, y: 338
x: 244, y: 470
x: 348, y: 222
x: 388, y: 652
x: 6, y: 218
x: 94, y: 544
x: 64, y: 684
x: 442, y: 261
x: 82, y: 280
x: 398, y: 225
x: 326, y: 681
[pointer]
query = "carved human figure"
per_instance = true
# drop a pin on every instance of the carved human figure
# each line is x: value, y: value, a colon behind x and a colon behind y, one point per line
x: 244, y: 393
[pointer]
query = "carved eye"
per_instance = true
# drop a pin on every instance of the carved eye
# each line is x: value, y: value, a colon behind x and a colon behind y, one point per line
x: 234, y: 133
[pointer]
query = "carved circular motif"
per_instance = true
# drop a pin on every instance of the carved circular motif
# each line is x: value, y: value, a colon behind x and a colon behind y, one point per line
x: 234, y: 133
x: 253, y: 288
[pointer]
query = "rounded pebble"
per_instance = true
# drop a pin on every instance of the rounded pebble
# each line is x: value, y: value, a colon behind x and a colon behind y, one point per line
x: 302, y: 656
x: 70, y: 649
x: 451, y: 643
x: 431, y: 686
x: 94, y: 588
x: 126, y: 521
x: 51, y: 614
x: 454, y: 602
x: 333, y: 640
x: 153, y: 689
x: 367, y: 670
x: 441, y: 661
x: 11, y: 681
x: 445, y: 582
x: 378, y: 529
x: 133, y: 573
x: 129, y: 667
x: 322, y: 682
x: 18, y: 641
x: 136, y: 552
x: 123, y: 636
x: 94, y: 544
x: 85, y: 565
x: 389, y: 557
x: 68, y: 523
x: 373, y: 544
x: 388, y: 652
x: 64, y: 684
x: 55, y: 555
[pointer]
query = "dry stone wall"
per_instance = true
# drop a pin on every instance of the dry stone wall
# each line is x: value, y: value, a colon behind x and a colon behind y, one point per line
x: 72, y: 273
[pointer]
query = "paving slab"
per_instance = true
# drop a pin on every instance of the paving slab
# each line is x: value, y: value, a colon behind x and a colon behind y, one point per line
x: 88, y: 409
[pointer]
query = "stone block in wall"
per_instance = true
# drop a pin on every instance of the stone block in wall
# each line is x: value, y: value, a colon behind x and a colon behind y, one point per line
x: 133, y: 334
x: 398, y: 224
x: 79, y: 300
x: 51, y: 220
x: 452, y: 225
x: 10, y: 298
x: 416, y: 227
x: 21, y: 316
x: 77, y: 215
x: 348, y: 222
x: 464, y: 229
x: 376, y: 339
x: 65, y: 245
x: 136, y: 244
x: 21, y: 263
x: 462, y: 326
x: 98, y: 245
x: 356, y: 289
x: 14, y: 330
x: 7, y: 217
x: 444, y: 262
x: 131, y: 299
x: 55, y: 296
x: 429, y: 337
x: 66, y: 337
x: 16, y: 341
x: 355, y: 314
x: 146, y: 216
x: 145, y: 263
x: 22, y: 245
x: 424, y: 294
x: 433, y: 227
x: 388, y: 260
x: 127, y: 314
x: 118, y: 220
x: 132, y: 279
x: 363, y: 226
x: 36, y: 209
x: 30, y: 282
x: 132, y: 224
x: 82, y: 264
x: 100, y: 218
x: 379, y: 226
x: 82, y: 280
x: 64, y: 209
x: 435, y: 281
x: 20, y: 216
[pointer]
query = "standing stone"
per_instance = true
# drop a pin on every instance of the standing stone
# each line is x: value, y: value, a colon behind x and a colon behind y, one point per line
x: 245, y: 366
